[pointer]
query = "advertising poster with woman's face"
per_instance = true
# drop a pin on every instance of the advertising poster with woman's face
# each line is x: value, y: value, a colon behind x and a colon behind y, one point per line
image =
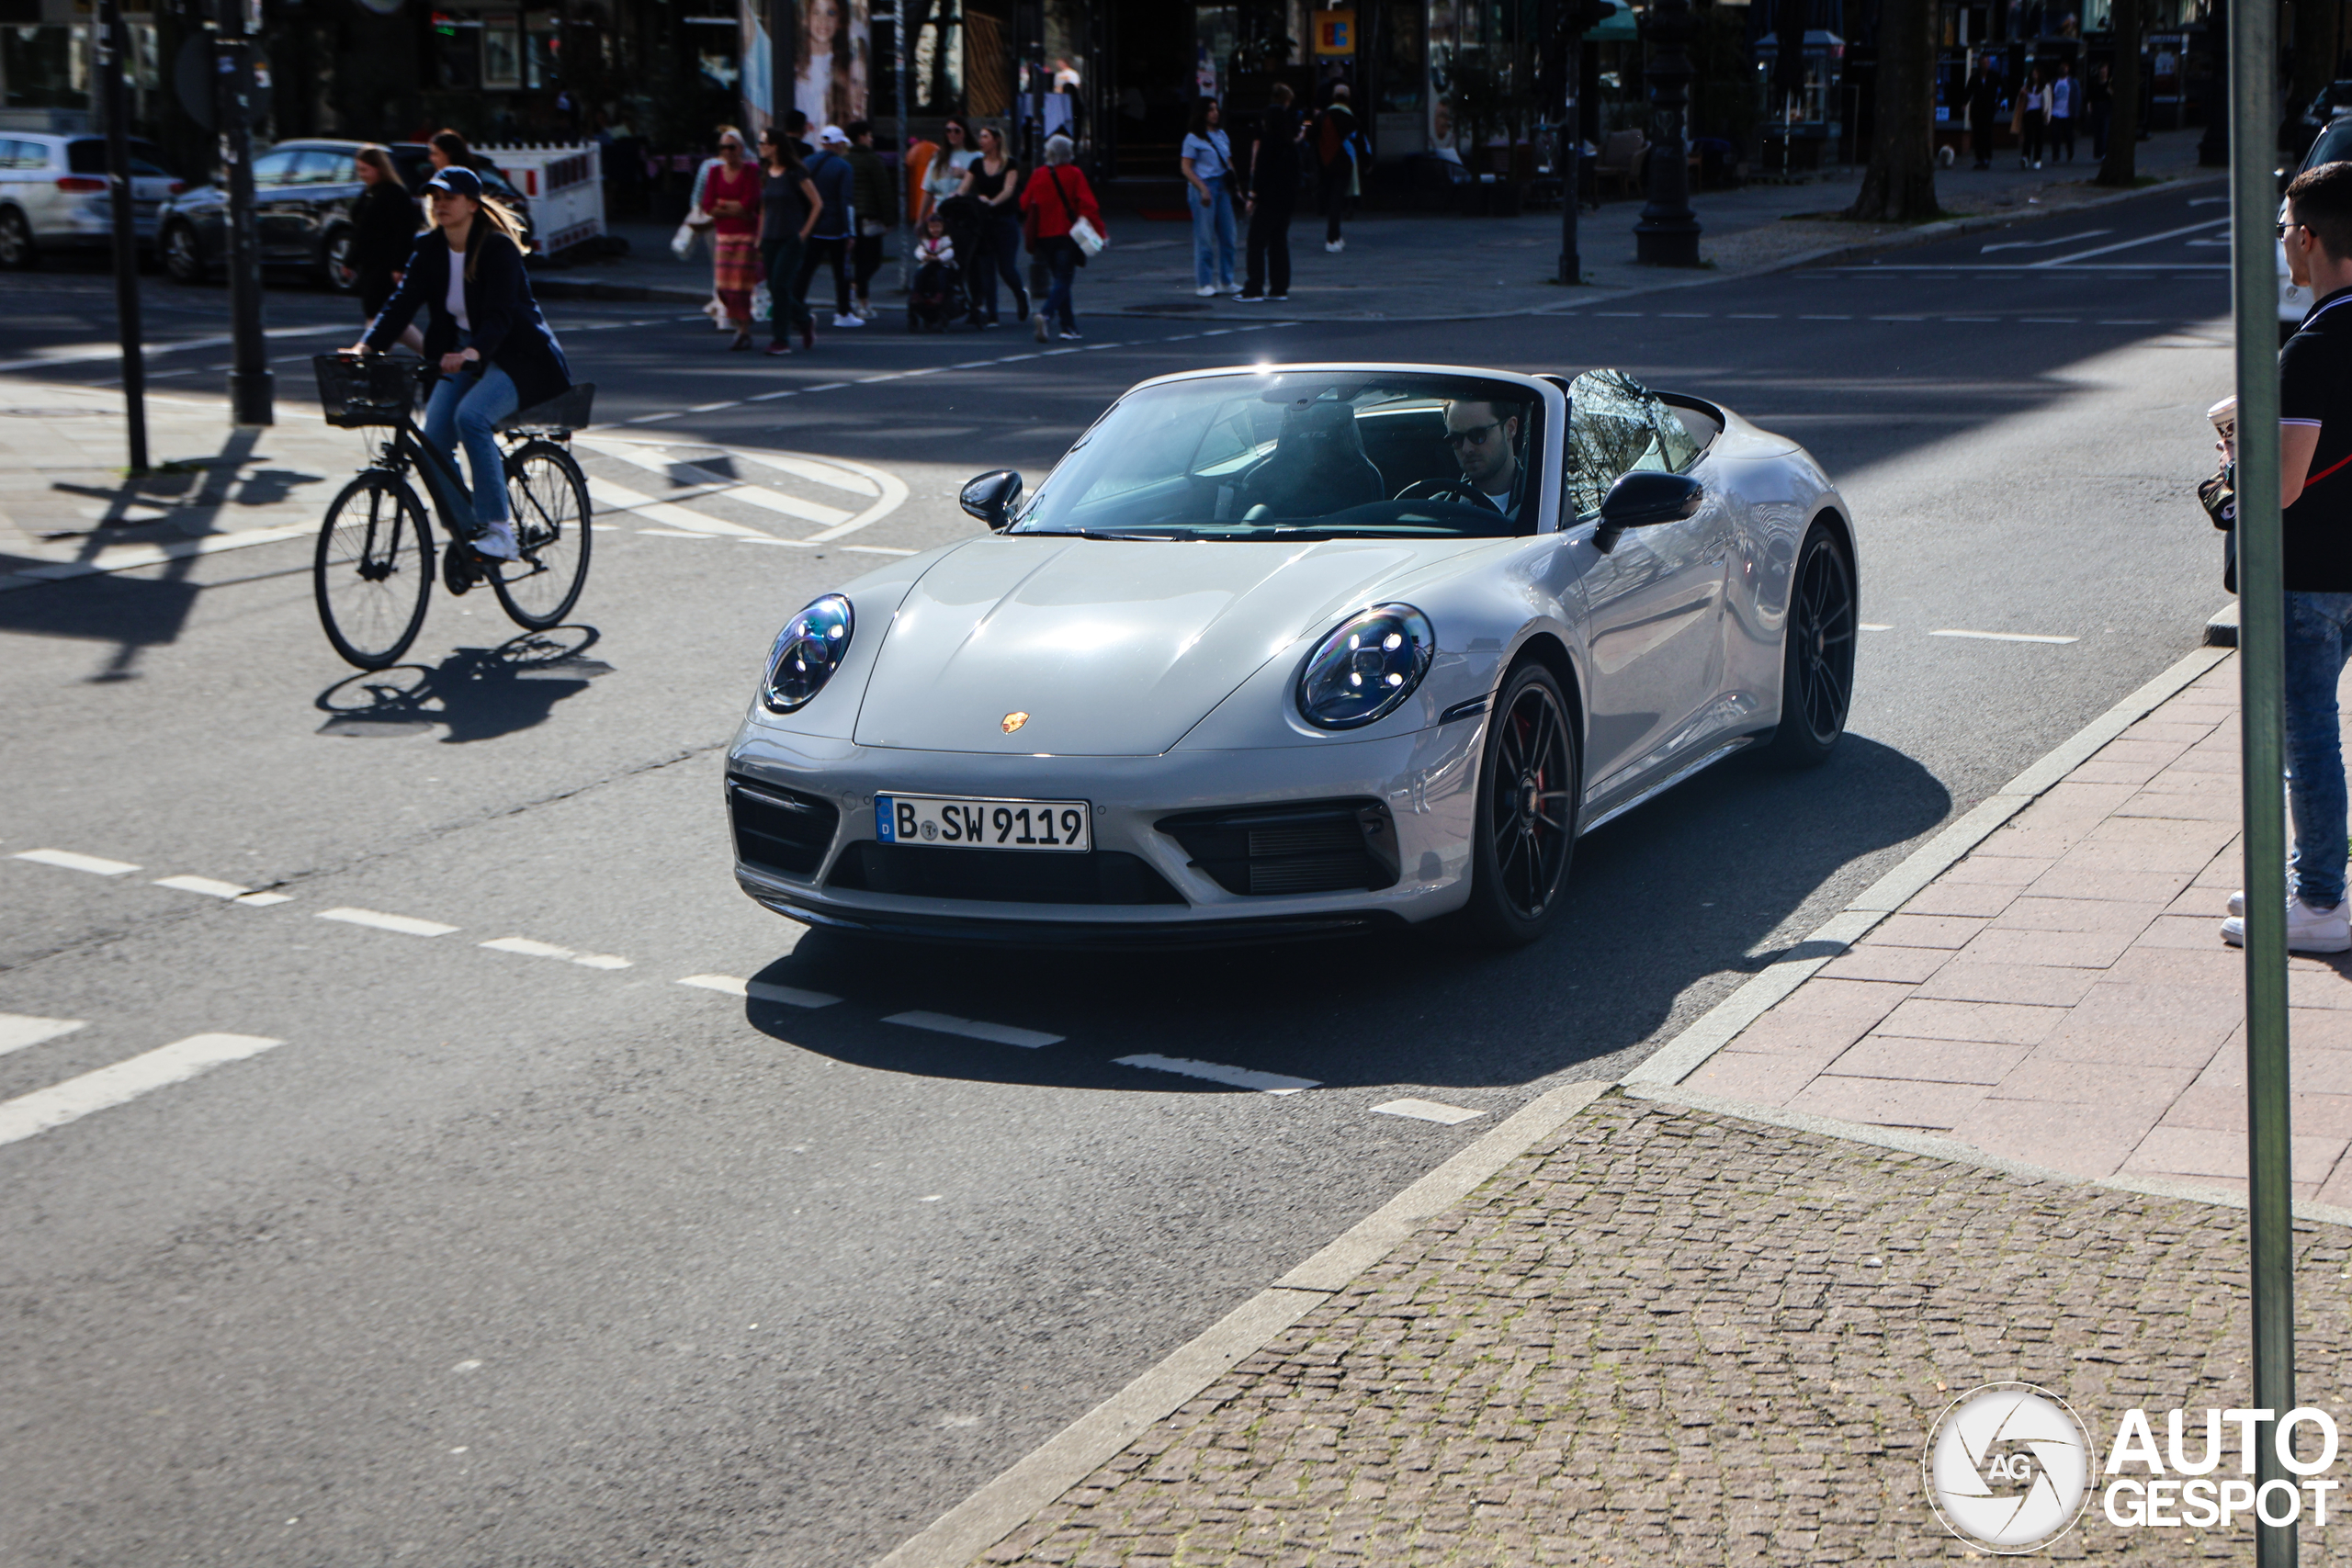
x: 831, y: 88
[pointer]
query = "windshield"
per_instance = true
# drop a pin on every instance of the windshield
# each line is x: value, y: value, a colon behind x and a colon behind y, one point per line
x: 2335, y: 145
x: 1306, y: 453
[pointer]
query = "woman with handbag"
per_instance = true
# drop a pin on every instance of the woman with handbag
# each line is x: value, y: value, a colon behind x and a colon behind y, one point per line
x: 1065, y: 226
x: 732, y: 196
x: 1206, y: 162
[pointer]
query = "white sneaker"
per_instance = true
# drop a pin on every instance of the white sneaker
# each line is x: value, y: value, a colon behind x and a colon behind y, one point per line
x: 499, y: 543
x: 1335, y: 246
x: 847, y: 322
x: 2309, y: 928
x: 1205, y: 292
x: 1037, y: 324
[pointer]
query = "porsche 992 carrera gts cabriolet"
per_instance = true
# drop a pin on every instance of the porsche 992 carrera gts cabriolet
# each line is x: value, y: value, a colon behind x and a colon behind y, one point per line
x: 1290, y: 649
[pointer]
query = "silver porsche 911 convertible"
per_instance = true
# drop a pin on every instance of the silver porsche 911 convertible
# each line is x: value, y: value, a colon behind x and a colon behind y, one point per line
x: 1291, y: 650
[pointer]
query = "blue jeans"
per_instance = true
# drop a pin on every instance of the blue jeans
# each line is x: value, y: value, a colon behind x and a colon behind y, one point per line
x: 2319, y: 638
x: 463, y: 412
x: 1211, y: 236
x: 1061, y: 265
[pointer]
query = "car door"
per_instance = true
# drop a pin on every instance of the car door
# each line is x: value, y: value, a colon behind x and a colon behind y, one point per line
x: 1653, y: 596
x: 278, y: 218
x: 326, y: 184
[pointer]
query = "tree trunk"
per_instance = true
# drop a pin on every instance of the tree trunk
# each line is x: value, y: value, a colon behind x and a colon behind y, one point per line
x: 2121, y: 167
x: 1900, y: 184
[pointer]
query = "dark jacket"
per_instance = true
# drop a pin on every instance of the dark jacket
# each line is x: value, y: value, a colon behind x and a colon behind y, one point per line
x: 871, y: 187
x: 383, y: 233
x: 508, y: 330
x: 831, y: 172
x: 1274, y: 166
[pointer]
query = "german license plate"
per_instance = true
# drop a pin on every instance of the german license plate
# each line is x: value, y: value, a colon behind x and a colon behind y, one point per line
x: 963, y: 823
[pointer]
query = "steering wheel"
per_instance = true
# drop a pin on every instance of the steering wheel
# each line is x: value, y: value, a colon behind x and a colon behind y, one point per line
x: 1458, y: 490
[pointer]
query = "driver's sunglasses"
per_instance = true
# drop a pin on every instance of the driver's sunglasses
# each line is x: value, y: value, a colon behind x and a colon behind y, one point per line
x: 2287, y: 224
x: 1476, y: 436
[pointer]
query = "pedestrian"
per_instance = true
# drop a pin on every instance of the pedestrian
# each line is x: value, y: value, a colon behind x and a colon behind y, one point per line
x: 874, y: 195
x: 2064, y: 105
x: 732, y: 196
x: 945, y: 177
x: 447, y: 150
x: 1056, y: 200
x: 1984, y: 111
x: 2315, y: 493
x: 2033, y: 112
x: 2102, y: 99
x: 1335, y: 156
x: 490, y: 347
x: 1206, y: 160
x: 796, y: 130
x: 994, y: 181
x: 829, y: 241
x: 1273, y: 192
x: 789, y: 206
x: 383, y: 229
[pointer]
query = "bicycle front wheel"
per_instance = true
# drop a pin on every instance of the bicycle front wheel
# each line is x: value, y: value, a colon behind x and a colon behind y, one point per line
x: 548, y: 497
x: 374, y: 570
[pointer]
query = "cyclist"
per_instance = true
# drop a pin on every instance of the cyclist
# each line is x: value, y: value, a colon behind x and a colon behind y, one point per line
x: 487, y: 341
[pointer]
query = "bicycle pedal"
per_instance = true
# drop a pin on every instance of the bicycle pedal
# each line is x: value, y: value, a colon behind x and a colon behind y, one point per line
x: 458, y: 572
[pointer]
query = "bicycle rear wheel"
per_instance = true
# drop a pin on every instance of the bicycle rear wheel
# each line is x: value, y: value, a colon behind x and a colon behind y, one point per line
x: 373, y: 571
x: 548, y: 497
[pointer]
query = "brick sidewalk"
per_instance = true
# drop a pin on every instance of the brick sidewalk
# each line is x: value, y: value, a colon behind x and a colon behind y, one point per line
x: 1666, y: 1336
x: 2063, y: 997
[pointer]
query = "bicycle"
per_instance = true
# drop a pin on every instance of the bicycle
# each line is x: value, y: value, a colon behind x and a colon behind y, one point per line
x: 373, y: 572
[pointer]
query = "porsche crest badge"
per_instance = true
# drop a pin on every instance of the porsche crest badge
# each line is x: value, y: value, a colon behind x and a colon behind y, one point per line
x: 1014, y: 721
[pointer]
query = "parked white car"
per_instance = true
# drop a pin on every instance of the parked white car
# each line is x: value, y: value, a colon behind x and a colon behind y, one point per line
x: 54, y: 193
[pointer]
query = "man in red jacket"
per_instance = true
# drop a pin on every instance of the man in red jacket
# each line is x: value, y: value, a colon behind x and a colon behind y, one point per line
x: 1054, y: 201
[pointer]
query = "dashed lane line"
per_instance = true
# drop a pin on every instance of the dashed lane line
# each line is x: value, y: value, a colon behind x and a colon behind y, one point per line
x: 211, y: 889
x: 1217, y: 1072
x: 975, y: 1028
x: 97, y: 865
x: 43, y: 1110
x: 760, y: 991
x: 2001, y: 637
x: 1427, y: 1111
x: 528, y: 948
x: 405, y: 925
x: 19, y: 1030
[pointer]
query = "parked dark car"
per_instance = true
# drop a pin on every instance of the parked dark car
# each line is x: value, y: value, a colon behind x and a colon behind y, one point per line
x: 303, y: 193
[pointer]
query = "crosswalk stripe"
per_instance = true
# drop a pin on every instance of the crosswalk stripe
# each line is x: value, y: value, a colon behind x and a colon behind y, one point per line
x: 75, y: 1098
x: 19, y: 1030
x: 610, y: 497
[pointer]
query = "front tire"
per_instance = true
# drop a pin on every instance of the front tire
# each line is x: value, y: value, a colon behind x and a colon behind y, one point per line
x: 334, y: 264
x: 1530, y: 782
x: 373, y: 571
x: 1817, y: 652
x: 17, y: 249
x: 183, y: 255
x: 548, y: 498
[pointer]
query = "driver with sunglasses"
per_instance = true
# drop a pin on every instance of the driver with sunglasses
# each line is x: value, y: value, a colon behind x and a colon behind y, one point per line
x: 1484, y: 443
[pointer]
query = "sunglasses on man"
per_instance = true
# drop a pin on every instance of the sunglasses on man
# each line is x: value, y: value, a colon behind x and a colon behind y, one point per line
x: 1476, y: 436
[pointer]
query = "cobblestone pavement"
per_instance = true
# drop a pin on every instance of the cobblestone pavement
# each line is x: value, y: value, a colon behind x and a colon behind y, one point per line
x: 1666, y: 1336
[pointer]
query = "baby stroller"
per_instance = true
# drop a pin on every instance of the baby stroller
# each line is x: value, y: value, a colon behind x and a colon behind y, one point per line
x: 937, y: 296
x: 967, y: 229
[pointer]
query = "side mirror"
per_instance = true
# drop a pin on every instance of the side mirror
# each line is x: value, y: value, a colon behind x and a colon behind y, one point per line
x: 993, y: 498
x: 1642, y: 497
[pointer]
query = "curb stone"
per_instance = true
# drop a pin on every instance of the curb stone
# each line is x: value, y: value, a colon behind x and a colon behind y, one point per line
x: 1001, y: 1506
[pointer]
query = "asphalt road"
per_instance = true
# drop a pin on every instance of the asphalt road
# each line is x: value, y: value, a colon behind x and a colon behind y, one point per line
x: 501, y: 1259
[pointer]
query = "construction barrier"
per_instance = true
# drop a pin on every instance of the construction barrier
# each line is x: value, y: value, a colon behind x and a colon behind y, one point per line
x: 565, y: 187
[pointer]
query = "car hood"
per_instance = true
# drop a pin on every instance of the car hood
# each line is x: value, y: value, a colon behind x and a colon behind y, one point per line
x: 1112, y: 647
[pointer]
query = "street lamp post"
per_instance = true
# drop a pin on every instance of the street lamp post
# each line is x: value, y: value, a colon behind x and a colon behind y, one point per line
x: 114, y: 62
x: 1668, y: 234
x: 251, y: 385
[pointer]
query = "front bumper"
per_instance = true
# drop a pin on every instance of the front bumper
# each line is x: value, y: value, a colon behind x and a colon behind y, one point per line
x: 1423, y: 781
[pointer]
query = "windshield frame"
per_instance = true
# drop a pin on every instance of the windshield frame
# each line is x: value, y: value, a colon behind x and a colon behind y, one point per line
x: 1542, y: 389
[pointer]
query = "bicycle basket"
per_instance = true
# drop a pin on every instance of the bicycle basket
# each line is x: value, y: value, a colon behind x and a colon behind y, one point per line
x: 375, y: 390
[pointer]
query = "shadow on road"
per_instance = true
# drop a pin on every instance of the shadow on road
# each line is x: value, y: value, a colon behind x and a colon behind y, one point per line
x: 1692, y: 886
x: 476, y: 694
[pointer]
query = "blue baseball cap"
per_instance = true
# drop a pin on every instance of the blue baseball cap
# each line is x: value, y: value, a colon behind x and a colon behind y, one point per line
x: 457, y: 182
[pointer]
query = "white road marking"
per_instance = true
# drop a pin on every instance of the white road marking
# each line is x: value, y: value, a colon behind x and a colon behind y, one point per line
x: 833, y: 475
x: 530, y: 948
x: 760, y: 990
x: 973, y: 1029
x: 1873, y: 626
x: 66, y: 858
x: 19, y: 1030
x: 1216, y: 1072
x: 2127, y: 245
x: 229, y: 890
x: 1752, y: 316
x: 714, y: 408
x: 601, y: 961
x: 610, y: 497
x: 2044, y: 245
x: 867, y: 549
x: 76, y: 1098
x: 1427, y: 1111
x: 2001, y: 637
x: 404, y: 924
x: 683, y: 534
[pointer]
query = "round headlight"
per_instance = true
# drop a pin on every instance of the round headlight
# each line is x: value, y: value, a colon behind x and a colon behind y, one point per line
x: 1368, y: 666
x: 810, y: 649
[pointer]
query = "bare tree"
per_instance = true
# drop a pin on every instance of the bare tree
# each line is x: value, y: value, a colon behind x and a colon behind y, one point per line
x: 1900, y: 184
x: 2121, y: 167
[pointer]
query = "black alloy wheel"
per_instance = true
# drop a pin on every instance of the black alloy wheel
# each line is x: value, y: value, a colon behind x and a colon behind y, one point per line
x: 183, y: 256
x: 334, y: 263
x: 15, y: 240
x: 1530, y: 787
x: 1817, y: 663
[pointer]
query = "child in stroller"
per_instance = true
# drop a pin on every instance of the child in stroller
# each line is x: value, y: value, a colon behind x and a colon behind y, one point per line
x: 938, y: 290
x: 965, y: 218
